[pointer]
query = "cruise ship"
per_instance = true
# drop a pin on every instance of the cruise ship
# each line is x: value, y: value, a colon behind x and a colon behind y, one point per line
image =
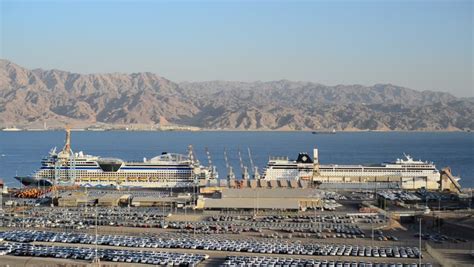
x: 168, y: 170
x: 404, y: 173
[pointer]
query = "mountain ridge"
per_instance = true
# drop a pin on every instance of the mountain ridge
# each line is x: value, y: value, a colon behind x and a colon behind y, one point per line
x: 31, y: 96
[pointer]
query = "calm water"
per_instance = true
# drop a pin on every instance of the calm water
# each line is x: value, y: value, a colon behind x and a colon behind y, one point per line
x: 21, y: 152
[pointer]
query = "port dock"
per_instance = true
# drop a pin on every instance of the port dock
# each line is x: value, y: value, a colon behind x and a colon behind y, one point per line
x: 235, y: 222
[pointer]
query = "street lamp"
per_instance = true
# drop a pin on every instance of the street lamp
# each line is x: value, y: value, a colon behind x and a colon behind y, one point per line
x: 419, y: 240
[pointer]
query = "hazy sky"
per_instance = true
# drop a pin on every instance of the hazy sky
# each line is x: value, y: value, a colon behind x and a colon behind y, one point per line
x: 425, y: 45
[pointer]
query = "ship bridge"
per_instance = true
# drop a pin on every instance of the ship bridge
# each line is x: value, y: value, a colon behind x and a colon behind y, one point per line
x: 169, y: 157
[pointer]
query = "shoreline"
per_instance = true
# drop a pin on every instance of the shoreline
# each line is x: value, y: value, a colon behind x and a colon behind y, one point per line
x: 318, y: 132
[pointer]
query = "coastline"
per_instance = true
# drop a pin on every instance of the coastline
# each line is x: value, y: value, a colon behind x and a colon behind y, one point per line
x: 319, y: 131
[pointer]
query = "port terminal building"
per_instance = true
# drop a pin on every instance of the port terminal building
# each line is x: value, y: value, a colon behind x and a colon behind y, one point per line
x: 259, y: 195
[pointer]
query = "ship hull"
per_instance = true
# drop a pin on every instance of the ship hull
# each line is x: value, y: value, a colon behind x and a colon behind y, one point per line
x: 32, y: 181
x: 147, y: 185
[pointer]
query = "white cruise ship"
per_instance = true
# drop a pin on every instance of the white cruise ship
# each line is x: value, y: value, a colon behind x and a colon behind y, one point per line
x: 403, y: 173
x: 167, y: 170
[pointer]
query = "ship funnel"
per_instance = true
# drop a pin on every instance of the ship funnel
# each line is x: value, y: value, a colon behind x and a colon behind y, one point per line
x: 315, y: 156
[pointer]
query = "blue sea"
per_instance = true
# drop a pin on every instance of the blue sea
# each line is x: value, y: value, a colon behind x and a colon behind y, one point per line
x: 21, y: 152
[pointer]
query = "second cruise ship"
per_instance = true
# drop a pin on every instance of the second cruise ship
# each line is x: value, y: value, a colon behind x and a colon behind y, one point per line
x: 404, y: 173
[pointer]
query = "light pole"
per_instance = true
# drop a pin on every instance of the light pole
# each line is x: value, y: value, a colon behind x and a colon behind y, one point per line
x: 96, y: 258
x: 470, y: 200
x: 372, y: 236
x: 419, y: 240
x: 194, y: 200
x: 439, y: 204
x: 129, y: 202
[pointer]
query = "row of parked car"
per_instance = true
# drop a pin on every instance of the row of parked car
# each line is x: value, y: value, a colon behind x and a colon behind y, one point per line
x: 320, y: 218
x: 80, y: 218
x: 439, y: 238
x: 291, y: 262
x: 258, y: 226
x: 398, y: 195
x: 367, y: 251
x: 113, y: 255
x: 211, y: 243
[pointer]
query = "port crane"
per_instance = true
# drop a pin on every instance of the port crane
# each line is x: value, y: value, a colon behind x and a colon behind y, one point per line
x: 194, y: 163
x: 256, y: 174
x: 212, y: 169
x: 244, y: 169
x: 230, y: 170
x: 64, y: 158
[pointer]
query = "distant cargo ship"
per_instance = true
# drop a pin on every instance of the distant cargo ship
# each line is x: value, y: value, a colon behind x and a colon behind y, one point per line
x: 405, y: 173
x: 324, y: 132
x: 167, y: 170
x: 11, y: 129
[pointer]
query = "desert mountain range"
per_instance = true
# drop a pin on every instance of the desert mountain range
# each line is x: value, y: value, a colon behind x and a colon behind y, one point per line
x: 30, y: 97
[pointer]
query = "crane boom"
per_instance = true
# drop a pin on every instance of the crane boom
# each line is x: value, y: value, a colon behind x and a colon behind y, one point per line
x: 209, y: 161
x: 241, y: 162
x: 250, y: 157
x: 226, y: 159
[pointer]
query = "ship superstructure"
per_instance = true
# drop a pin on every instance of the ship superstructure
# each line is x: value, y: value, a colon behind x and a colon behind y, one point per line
x: 405, y: 173
x: 167, y: 170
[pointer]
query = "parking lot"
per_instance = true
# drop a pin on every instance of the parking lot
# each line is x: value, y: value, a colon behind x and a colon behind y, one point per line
x: 213, y: 243
x: 151, y: 236
x: 317, y: 226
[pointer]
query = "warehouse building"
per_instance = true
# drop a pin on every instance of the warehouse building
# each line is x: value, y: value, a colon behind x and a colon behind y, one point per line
x: 213, y: 186
x: 113, y: 200
x: 151, y: 201
x: 75, y: 199
x: 253, y: 197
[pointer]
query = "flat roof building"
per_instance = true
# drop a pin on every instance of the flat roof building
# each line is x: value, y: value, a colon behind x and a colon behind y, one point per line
x: 264, y: 198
